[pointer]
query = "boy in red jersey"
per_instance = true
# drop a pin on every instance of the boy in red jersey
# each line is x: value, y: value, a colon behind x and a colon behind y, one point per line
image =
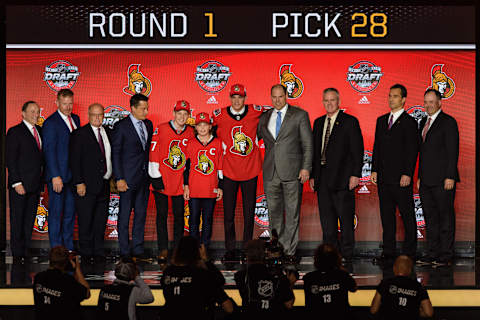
x: 203, y: 178
x: 166, y: 167
x: 237, y: 128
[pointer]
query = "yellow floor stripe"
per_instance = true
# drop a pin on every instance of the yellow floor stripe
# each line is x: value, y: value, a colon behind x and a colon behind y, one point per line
x: 361, y: 298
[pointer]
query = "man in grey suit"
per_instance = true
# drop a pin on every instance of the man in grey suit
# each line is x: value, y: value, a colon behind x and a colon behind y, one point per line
x: 287, y: 135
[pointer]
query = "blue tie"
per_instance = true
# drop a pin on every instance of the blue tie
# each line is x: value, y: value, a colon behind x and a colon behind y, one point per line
x: 278, y: 124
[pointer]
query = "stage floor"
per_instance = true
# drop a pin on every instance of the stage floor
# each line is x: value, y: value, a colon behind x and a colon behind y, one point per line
x: 453, y: 286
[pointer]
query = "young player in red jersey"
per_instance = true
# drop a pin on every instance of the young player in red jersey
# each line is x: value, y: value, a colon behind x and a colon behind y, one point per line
x: 203, y: 178
x: 237, y: 128
x: 166, y: 167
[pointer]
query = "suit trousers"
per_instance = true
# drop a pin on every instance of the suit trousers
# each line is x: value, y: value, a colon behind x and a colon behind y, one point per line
x: 249, y: 196
x: 284, y: 196
x: 439, y: 213
x: 136, y: 199
x: 201, y: 207
x: 390, y: 196
x: 61, y: 216
x: 92, y: 212
x: 335, y: 205
x: 178, y: 209
x: 23, y: 209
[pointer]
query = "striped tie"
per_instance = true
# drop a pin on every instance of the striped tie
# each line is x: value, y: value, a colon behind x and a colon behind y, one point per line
x: 323, y: 158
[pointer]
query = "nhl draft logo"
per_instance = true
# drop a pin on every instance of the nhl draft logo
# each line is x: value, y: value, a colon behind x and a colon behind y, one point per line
x: 290, y: 81
x: 41, y: 218
x: 176, y: 158
x: 355, y: 221
x: 242, y: 144
x: 417, y: 113
x: 41, y: 118
x: 113, y: 208
x: 113, y: 114
x: 441, y: 82
x: 366, y: 172
x: 205, y: 165
x: 61, y: 74
x: 364, y: 76
x: 419, y: 216
x: 212, y: 76
x: 261, y: 212
x: 137, y: 82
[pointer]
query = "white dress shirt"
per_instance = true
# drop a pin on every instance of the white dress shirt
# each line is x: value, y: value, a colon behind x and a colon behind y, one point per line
x: 237, y: 113
x: 272, y: 123
x: 108, y: 149
x: 396, y: 114
x: 433, y: 117
x: 65, y: 118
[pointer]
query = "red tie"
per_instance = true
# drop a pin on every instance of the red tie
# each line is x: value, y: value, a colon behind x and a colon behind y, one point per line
x: 425, y: 129
x: 71, y: 124
x: 35, y: 134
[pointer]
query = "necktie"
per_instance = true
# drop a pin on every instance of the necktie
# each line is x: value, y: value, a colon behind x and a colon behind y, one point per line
x: 71, y: 124
x: 142, y: 134
x: 102, y: 148
x: 425, y: 129
x: 278, y: 123
x: 390, y: 121
x: 323, y: 158
x: 35, y: 134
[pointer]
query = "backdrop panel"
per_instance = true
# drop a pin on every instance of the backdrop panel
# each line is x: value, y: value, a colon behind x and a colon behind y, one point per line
x: 204, y: 78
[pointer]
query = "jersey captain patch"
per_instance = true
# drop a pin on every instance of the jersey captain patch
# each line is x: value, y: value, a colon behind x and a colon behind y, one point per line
x: 176, y: 157
x: 242, y: 144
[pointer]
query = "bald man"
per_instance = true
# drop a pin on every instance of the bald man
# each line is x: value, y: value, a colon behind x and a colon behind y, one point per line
x: 91, y: 167
x: 401, y: 297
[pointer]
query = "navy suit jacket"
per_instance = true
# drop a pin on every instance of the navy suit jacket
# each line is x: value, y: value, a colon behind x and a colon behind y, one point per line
x: 56, y: 141
x: 129, y: 160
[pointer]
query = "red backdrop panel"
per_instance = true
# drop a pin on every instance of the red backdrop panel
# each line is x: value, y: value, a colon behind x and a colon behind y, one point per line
x: 171, y: 75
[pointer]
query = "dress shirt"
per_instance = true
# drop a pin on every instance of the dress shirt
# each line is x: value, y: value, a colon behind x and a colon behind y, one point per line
x: 395, y: 116
x: 65, y: 119
x: 433, y: 117
x: 272, y: 123
x: 108, y: 149
x: 237, y: 113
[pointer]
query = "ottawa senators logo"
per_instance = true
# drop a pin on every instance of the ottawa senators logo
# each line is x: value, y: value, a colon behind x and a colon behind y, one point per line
x: 242, y: 144
x: 288, y: 79
x: 205, y: 165
x: 441, y: 82
x: 41, y: 219
x: 176, y: 158
x: 137, y: 82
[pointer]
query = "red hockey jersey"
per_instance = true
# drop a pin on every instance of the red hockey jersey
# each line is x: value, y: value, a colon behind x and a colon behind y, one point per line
x: 168, y: 155
x: 205, y: 162
x: 239, y: 135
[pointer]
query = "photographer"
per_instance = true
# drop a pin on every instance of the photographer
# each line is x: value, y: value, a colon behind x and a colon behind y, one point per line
x: 118, y: 300
x: 192, y: 285
x: 264, y: 292
x: 326, y: 288
x: 56, y: 293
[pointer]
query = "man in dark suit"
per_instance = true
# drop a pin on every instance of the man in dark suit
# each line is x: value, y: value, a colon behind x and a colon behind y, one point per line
x: 130, y: 151
x: 91, y: 165
x: 337, y: 168
x: 394, y: 157
x: 437, y: 177
x: 56, y: 138
x: 24, y: 160
x: 287, y: 135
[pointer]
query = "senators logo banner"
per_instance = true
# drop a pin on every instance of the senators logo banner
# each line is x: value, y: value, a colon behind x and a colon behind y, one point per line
x: 137, y: 82
x: 441, y: 82
x: 290, y: 81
